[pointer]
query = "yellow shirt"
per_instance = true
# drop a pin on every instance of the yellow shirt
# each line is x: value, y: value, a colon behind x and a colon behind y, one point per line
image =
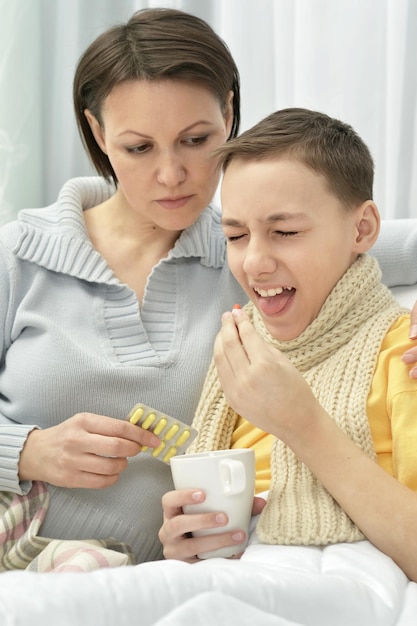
x: 392, y: 414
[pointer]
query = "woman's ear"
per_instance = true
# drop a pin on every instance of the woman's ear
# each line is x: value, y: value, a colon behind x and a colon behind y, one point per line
x: 96, y: 129
x: 368, y: 223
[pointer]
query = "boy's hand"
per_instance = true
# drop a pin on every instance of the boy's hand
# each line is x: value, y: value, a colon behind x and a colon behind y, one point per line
x: 175, y: 532
x: 259, y: 382
x: 411, y: 355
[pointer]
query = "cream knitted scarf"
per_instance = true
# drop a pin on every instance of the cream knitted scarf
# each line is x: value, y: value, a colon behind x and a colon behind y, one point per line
x: 336, y: 354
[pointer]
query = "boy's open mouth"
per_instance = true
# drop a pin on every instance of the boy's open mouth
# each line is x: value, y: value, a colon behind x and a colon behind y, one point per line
x: 273, y: 301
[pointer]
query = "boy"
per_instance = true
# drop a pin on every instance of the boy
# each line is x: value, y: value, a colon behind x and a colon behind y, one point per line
x: 310, y: 374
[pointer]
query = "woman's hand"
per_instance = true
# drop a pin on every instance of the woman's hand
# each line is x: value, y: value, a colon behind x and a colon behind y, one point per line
x: 176, y: 531
x: 411, y: 355
x: 86, y: 450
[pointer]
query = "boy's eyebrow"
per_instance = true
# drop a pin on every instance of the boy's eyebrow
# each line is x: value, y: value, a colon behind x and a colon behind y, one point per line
x: 275, y: 217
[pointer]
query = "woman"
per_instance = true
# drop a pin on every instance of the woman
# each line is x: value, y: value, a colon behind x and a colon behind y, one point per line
x: 112, y: 296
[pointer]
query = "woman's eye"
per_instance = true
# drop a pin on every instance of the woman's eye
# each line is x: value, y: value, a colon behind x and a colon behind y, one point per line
x: 196, y: 141
x: 138, y: 149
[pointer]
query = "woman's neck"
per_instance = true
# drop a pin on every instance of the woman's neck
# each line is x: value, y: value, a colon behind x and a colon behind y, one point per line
x: 130, y: 246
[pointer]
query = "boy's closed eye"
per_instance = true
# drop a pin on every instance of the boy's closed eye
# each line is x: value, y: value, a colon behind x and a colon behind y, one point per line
x: 281, y: 233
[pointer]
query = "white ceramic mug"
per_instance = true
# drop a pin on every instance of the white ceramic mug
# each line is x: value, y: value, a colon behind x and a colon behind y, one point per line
x: 228, y: 479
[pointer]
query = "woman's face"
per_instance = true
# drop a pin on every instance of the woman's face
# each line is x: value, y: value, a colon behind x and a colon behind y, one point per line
x: 158, y: 136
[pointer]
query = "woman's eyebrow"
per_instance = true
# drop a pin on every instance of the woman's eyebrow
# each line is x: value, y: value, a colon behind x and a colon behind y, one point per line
x: 130, y: 131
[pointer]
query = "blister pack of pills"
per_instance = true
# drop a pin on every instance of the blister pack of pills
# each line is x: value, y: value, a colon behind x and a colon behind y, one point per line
x: 175, y: 436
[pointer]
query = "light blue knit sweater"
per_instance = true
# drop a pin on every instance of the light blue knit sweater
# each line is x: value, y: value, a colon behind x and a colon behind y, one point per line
x: 73, y: 339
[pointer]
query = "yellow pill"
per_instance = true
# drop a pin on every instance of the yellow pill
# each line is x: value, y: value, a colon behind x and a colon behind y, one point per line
x: 159, y: 449
x: 148, y: 421
x: 144, y: 448
x: 171, y: 432
x: 136, y: 416
x: 160, y: 426
x: 185, y: 435
x: 170, y: 453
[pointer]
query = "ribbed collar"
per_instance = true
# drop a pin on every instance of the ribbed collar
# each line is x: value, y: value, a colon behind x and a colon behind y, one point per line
x: 56, y: 237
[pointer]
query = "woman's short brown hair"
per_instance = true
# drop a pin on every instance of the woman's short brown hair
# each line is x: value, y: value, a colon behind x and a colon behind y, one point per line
x: 155, y: 44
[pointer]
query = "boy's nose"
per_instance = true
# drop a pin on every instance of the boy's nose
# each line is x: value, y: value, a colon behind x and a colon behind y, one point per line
x: 258, y: 260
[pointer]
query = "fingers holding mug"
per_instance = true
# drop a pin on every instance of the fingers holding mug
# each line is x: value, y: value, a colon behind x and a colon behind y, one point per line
x: 227, y: 478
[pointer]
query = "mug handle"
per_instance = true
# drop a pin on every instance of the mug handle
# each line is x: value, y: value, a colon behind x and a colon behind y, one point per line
x: 232, y: 476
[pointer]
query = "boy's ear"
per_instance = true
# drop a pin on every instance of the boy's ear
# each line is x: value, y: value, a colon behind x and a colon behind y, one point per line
x: 368, y: 223
x: 96, y: 129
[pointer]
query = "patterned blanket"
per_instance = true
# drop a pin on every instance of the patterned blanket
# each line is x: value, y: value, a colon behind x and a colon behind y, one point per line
x: 21, y: 546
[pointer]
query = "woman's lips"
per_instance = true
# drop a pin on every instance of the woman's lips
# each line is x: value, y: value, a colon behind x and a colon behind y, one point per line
x: 174, y: 203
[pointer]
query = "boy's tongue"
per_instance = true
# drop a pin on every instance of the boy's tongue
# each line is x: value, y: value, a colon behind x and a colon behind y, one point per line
x: 272, y: 305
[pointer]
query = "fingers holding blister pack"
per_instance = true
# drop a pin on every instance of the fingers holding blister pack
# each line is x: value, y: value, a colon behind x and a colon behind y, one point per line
x: 175, y: 436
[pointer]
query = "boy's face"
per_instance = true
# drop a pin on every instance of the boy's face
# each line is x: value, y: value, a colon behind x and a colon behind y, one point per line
x: 289, y: 239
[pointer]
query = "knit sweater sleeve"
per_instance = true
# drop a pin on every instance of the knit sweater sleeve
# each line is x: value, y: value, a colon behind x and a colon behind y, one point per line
x: 12, y: 436
x: 396, y: 252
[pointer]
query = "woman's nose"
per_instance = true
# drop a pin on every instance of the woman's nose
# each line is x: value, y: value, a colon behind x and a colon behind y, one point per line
x: 171, y: 170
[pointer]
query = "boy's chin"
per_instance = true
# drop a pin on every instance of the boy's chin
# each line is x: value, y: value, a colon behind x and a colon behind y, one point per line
x: 281, y: 331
